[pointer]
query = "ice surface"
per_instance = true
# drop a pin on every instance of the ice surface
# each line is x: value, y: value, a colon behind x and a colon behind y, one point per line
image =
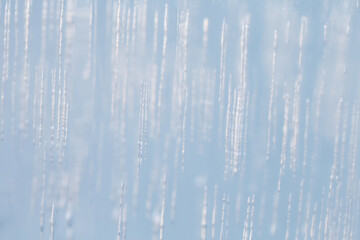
x: 179, y: 119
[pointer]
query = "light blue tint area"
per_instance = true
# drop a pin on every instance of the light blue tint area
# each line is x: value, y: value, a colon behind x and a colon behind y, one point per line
x: 179, y: 119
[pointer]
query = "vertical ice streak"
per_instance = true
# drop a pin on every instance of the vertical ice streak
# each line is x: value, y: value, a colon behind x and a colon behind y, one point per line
x: 121, y: 212
x: 116, y: 67
x: 334, y: 169
x: 151, y: 187
x: 41, y: 108
x: 140, y: 140
x: 60, y: 71
x: 307, y: 220
x: 173, y: 198
x: 299, y: 212
x: 63, y: 117
x: 222, y: 69
x: 162, y: 71
x: 42, y: 203
x: 66, y: 125
x: 36, y: 87
x: 313, y: 221
x: 143, y: 115
x: 204, y: 216
x: 183, y: 133
x: 119, y: 228
x: 222, y: 218
x: 333, y: 176
x: 133, y: 29
x: 288, y: 218
x: 89, y: 64
x: 52, y: 222
x: 154, y: 70
x: 53, y: 99
x: 238, y: 206
x: 240, y: 99
x: 306, y: 137
x: 303, y: 32
x: 247, y: 219
x: 116, y: 64
x: 136, y: 195
x: 205, y: 38
x: 243, y: 165
x: 15, y: 67
x: 25, y: 84
x: 287, y: 33
x: 284, y: 141
x: 252, y: 217
x: 232, y: 132
x: 270, y: 113
x: 318, y: 106
x: 44, y: 32
x: 213, y: 214
x: 124, y: 217
x: 128, y: 31
x: 227, y: 133
x: 161, y: 237
x: 227, y: 217
x: 320, y: 226
x: 5, y: 69
x: 296, y: 104
x: 113, y: 90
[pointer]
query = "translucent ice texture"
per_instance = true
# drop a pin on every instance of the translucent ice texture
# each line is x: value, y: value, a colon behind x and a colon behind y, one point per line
x: 137, y: 119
